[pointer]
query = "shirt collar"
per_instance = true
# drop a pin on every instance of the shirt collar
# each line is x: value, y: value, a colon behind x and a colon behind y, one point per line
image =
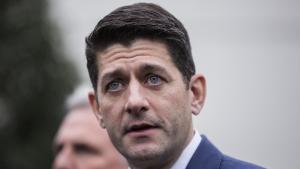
x: 188, y: 152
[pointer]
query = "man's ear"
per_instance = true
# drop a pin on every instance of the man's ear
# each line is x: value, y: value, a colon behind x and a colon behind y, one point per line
x: 96, y: 107
x: 198, y: 93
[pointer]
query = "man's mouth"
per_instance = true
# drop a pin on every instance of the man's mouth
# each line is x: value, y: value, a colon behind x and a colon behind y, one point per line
x: 140, y: 128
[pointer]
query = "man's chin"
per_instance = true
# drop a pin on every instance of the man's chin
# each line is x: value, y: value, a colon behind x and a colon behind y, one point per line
x: 145, y: 152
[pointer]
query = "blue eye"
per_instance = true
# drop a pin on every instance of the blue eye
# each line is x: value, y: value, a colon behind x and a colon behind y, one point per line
x: 114, y: 86
x: 154, y: 80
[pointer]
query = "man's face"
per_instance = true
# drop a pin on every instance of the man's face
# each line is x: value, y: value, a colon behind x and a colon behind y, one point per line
x: 144, y: 102
x: 81, y: 144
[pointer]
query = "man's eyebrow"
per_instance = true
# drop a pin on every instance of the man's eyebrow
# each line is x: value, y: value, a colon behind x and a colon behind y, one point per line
x: 107, y: 76
x: 147, y: 67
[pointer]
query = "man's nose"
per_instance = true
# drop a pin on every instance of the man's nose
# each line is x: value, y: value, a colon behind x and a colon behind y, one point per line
x: 64, y: 160
x: 136, y: 99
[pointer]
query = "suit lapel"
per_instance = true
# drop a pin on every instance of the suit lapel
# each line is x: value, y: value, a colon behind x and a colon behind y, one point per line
x: 207, y: 156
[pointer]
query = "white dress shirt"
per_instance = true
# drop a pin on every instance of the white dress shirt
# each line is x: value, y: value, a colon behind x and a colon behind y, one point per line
x: 188, y: 152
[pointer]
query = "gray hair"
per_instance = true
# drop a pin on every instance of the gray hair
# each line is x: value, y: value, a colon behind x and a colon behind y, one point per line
x: 79, y: 98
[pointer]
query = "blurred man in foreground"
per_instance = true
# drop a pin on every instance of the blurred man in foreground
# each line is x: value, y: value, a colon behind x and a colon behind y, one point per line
x: 80, y: 142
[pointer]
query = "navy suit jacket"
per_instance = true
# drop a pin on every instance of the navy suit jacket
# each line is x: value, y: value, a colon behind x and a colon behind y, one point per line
x: 207, y: 156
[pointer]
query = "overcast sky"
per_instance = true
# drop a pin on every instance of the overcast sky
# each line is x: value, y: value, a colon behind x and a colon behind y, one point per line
x: 249, y: 52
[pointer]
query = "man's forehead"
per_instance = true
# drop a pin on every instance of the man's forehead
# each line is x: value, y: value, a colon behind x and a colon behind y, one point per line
x: 136, y: 48
x: 131, y: 43
x: 81, y: 120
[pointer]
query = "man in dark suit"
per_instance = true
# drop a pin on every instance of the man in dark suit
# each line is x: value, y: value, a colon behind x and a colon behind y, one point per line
x: 146, y: 90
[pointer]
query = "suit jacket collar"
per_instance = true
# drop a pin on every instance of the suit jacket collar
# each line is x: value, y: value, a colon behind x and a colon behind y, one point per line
x: 207, y: 156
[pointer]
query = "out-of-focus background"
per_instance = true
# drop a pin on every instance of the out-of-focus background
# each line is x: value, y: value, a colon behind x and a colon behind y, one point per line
x: 248, y: 50
x: 35, y: 77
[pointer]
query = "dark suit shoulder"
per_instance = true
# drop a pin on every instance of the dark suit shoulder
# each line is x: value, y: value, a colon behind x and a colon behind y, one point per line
x: 232, y: 163
x: 207, y: 156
